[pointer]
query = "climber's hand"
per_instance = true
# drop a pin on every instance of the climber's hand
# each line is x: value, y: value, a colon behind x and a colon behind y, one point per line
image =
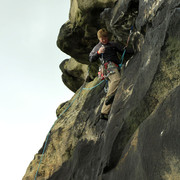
x: 101, y: 50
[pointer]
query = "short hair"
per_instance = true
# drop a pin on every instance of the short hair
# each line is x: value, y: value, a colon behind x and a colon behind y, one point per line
x: 102, y: 33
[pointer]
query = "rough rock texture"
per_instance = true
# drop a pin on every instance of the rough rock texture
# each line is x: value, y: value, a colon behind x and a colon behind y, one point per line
x: 78, y: 35
x: 153, y: 152
x: 69, y: 130
x: 140, y: 141
x: 74, y: 73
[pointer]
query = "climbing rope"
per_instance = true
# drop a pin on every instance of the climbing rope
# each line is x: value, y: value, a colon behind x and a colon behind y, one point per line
x: 46, y: 142
x: 122, y: 57
x: 172, y: 67
x: 93, y: 86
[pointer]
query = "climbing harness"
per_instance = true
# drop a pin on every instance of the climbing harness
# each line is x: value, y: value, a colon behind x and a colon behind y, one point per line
x: 46, y: 141
x: 106, y: 69
x: 47, y: 137
x: 109, y: 68
x: 101, y: 72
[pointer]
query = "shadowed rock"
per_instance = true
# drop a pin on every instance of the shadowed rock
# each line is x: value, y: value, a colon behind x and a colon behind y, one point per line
x: 140, y: 141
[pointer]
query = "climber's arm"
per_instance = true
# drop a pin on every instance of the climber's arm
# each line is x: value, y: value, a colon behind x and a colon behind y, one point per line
x: 120, y: 48
x: 94, y: 55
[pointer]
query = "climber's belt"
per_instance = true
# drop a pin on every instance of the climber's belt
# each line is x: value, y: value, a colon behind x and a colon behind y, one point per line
x: 106, y: 69
x: 109, y: 62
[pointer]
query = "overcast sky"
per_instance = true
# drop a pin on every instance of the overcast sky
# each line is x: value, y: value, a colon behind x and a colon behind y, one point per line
x: 31, y: 85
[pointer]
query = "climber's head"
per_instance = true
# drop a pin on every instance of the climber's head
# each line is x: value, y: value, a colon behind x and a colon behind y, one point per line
x: 102, y: 35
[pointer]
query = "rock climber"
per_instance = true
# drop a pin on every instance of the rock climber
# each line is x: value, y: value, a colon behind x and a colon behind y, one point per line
x: 107, y: 51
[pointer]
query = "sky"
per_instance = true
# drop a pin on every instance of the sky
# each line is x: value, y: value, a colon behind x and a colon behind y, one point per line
x: 30, y: 79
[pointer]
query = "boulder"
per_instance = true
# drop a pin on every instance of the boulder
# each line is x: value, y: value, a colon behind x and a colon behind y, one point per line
x: 78, y: 35
x: 153, y: 152
x: 140, y: 140
x: 73, y: 73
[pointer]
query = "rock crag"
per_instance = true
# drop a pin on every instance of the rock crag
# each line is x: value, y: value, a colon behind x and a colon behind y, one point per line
x: 140, y: 140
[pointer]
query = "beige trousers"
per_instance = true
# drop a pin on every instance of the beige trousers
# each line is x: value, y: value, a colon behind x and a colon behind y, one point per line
x: 113, y: 82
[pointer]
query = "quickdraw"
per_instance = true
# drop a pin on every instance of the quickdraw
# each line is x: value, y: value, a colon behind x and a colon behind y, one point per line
x: 122, y: 57
x: 106, y: 69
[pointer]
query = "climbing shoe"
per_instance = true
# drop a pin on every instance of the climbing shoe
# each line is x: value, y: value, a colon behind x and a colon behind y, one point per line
x: 109, y: 100
x: 104, y: 117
